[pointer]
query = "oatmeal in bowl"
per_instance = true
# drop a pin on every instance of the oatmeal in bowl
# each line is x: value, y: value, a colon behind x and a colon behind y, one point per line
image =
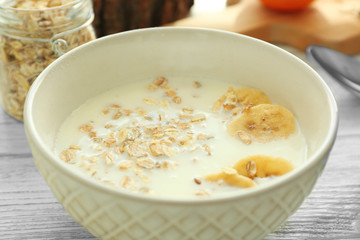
x: 144, y: 134
x: 181, y: 137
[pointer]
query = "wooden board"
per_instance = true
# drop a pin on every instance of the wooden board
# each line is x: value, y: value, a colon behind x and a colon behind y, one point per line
x: 331, y: 23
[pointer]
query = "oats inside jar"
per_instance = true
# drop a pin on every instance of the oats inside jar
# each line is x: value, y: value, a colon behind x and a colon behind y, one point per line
x: 170, y: 137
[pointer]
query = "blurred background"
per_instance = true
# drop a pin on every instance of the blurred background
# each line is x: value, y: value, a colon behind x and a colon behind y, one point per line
x: 297, y: 23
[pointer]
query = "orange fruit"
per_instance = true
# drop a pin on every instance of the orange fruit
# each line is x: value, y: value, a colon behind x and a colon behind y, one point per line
x: 286, y: 5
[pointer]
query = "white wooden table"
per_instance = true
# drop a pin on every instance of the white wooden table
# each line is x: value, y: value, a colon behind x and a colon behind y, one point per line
x: 28, y: 209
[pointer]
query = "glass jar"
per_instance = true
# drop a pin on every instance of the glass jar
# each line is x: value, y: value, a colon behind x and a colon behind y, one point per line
x: 33, y: 33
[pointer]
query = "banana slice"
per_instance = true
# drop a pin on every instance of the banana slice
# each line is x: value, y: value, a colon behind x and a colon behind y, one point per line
x: 246, y: 169
x: 243, y: 96
x: 262, y: 166
x: 251, y: 96
x: 235, y: 180
x: 264, y: 123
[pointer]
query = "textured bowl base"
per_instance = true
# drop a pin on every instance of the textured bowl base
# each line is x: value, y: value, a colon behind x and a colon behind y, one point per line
x: 108, y: 217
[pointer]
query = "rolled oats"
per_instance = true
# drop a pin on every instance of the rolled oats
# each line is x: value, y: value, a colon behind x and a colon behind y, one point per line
x: 152, y: 87
x: 203, y: 193
x: 127, y: 112
x: 145, y: 179
x: 198, y: 119
x: 93, y: 159
x: 117, y: 115
x: 75, y: 147
x: 244, y: 137
x: 170, y: 93
x: 109, y: 142
x: 251, y: 169
x: 171, y: 131
x: 188, y: 110
x: 165, y: 164
x: 201, y: 137
x: 169, y: 151
x: 126, y: 182
x: 160, y: 81
x: 123, y: 135
x: 68, y: 155
x: 120, y: 149
x: 197, y: 84
x: 156, y: 149
x: 164, y: 103
x: 186, y: 141
x: 151, y: 101
x: 184, y: 117
x: 109, y: 159
x: 93, y: 136
x: 207, y: 149
x: 135, y: 150
x: 140, y: 111
x: 184, y: 126
x: 145, y: 163
x: 125, y: 164
x: 158, y: 133
x: 176, y: 99
x: 87, y: 127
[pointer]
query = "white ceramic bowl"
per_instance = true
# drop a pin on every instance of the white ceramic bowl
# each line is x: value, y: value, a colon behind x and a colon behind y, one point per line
x: 145, y: 54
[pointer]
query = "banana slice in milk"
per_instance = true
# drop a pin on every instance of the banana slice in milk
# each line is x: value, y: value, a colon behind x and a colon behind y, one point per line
x: 231, y: 178
x: 262, y: 166
x: 246, y: 169
x: 264, y: 123
x: 241, y: 96
x: 251, y: 97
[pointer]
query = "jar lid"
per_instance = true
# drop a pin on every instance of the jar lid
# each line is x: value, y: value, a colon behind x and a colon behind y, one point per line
x: 43, y: 19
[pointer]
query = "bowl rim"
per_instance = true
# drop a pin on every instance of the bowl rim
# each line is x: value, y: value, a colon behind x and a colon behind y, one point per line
x: 319, y: 154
